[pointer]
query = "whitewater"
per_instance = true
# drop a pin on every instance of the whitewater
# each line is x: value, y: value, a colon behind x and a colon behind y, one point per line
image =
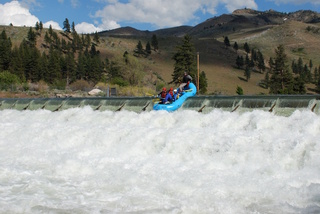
x: 85, y: 161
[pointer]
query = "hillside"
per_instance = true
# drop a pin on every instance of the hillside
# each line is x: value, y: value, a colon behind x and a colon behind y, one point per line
x: 299, y: 32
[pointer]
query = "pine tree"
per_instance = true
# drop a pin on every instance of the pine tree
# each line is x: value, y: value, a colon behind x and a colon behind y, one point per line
x: 5, y: 51
x: 203, y: 83
x: 271, y: 64
x: 261, y: 65
x: 139, y: 49
x: 16, y: 64
x: 96, y: 37
x: 32, y: 38
x: 37, y: 26
x: 43, y: 66
x: 154, y: 42
x: 281, y: 81
x: 235, y: 46
x: 66, y: 26
x: 41, y: 26
x: 73, y: 28
x: 300, y: 66
x: 148, y: 48
x: 246, y: 48
x: 50, y: 31
x: 247, y: 73
x: 226, y: 42
x: 185, y: 60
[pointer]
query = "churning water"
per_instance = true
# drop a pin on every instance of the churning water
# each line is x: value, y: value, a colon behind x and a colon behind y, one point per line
x: 85, y: 161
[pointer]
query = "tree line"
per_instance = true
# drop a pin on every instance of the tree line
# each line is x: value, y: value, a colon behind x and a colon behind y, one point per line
x: 279, y: 78
x: 67, y: 57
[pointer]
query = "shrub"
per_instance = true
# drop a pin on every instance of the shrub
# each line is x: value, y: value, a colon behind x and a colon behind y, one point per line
x: 119, y: 81
x: 80, y: 85
x: 239, y: 90
x: 59, y: 84
x: 8, y: 80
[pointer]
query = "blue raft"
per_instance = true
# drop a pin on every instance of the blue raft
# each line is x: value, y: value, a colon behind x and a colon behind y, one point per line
x: 190, y: 92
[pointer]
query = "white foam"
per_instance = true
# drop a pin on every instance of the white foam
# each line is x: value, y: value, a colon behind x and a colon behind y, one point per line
x: 85, y: 161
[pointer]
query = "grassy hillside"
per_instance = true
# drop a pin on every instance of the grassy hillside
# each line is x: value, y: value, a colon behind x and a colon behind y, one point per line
x: 215, y: 59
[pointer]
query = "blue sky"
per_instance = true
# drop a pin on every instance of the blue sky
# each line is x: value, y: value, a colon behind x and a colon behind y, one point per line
x: 98, y: 15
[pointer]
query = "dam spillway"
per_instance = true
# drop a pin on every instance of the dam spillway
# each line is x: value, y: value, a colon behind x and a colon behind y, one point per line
x: 279, y: 104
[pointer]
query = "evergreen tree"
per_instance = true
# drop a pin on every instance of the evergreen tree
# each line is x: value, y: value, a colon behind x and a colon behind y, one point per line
x: 254, y: 55
x: 32, y: 38
x: 294, y: 67
x: 47, y: 39
x: 239, y: 62
x: 66, y: 26
x: 5, y: 51
x: 54, y: 67
x: 226, y: 42
x: 30, y: 60
x: 43, y: 65
x: 87, y: 41
x: 148, y: 48
x: 154, y: 42
x: 247, y: 73
x: 235, y: 46
x: 16, y: 64
x: 50, y: 31
x: 73, y: 28
x: 271, y: 64
x: 203, y: 83
x: 70, y: 69
x: 80, y: 72
x: 247, y: 61
x: 261, y: 65
x: 37, y: 26
x: 185, y: 60
x: 281, y: 81
x: 246, y: 48
x: 139, y: 49
x: 300, y: 66
x: 41, y: 26
x: 96, y: 37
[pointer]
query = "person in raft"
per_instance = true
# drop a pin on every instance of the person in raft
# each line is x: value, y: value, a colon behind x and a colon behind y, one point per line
x: 185, y: 81
x: 175, y: 95
x: 169, y: 96
x: 162, y: 95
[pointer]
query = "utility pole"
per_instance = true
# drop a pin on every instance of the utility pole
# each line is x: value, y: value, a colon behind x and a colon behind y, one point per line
x: 198, y: 73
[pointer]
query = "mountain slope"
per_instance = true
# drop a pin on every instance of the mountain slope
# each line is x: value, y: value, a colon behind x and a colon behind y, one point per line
x: 299, y: 32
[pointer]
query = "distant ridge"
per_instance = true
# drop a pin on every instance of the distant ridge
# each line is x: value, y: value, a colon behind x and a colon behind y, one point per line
x: 217, y: 26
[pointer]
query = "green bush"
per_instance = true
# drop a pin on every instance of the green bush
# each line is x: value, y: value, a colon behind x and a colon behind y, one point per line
x: 59, y: 84
x: 8, y: 80
x: 119, y: 81
x: 239, y: 90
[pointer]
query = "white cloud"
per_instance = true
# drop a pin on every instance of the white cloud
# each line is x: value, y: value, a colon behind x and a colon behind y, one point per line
x: 232, y: 5
x: 85, y: 27
x: 53, y: 24
x: 13, y: 12
x: 165, y: 13
x: 75, y: 3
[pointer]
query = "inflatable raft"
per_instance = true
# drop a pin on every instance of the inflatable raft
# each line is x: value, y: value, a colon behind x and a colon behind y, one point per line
x: 189, y: 92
